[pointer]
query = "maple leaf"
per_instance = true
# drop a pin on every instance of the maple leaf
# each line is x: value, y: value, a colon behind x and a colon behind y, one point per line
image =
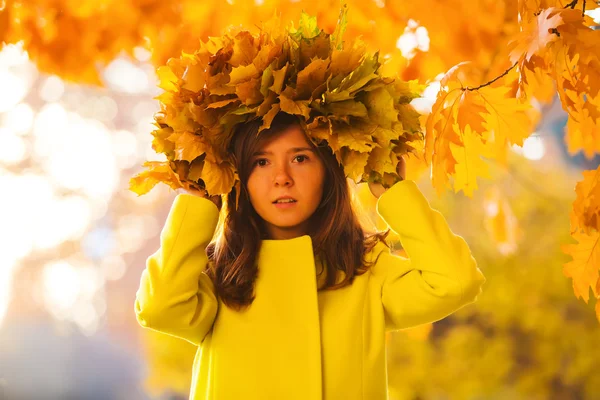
x: 469, y: 163
x: 354, y: 137
x: 354, y: 163
x: 381, y: 108
x: 535, y: 35
x: 583, y: 269
x: 439, y: 134
x: 470, y: 111
x: 157, y: 171
x: 506, y: 116
x: 218, y: 178
x: 290, y: 106
x: 167, y: 79
x: 188, y: 146
x: 585, y: 212
x: 269, y: 116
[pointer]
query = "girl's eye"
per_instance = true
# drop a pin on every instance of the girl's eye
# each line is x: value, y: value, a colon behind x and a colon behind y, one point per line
x: 302, y: 156
x: 258, y: 162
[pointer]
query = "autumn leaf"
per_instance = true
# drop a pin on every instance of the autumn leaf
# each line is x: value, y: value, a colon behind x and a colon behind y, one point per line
x: 299, y: 107
x: 380, y: 105
x: 354, y: 137
x: 188, y: 146
x: 585, y: 213
x: 167, y: 79
x: 506, y: 116
x: 310, y: 77
x: 354, y: 163
x: 470, y: 111
x: 469, y: 162
x: 535, y: 35
x: 440, y: 133
x: 218, y: 178
x: 156, y: 172
x: 269, y: 116
x: 583, y: 269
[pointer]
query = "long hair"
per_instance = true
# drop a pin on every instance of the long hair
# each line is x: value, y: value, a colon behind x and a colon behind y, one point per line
x: 233, y: 252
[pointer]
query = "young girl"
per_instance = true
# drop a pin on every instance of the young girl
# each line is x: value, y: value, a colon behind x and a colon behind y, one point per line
x: 292, y: 300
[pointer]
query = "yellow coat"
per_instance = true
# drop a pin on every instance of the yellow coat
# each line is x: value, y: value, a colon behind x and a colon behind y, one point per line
x: 295, y: 343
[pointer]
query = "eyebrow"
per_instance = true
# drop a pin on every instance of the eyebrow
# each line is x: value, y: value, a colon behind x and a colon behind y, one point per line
x: 292, y: 150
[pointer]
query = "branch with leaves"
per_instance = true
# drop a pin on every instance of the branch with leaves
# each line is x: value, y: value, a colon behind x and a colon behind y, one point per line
x: 555, y: 47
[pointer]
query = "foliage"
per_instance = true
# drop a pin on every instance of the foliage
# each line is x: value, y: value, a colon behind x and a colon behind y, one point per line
x: 335, y: 89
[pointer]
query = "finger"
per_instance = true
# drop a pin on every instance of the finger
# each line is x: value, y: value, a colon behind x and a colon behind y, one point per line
x: 401, y: 168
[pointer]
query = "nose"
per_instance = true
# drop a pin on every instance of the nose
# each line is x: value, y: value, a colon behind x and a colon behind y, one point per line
x: 282, y: 177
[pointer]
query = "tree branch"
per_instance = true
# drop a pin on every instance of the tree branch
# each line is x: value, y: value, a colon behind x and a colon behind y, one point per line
x: 493, y: 80
x: 572, y: 4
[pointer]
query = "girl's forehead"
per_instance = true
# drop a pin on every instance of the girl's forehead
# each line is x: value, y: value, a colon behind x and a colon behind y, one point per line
x: 289, y: 139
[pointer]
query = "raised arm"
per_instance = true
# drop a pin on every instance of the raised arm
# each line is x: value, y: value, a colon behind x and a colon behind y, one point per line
x: 440, y: 274
x: 175, y: 296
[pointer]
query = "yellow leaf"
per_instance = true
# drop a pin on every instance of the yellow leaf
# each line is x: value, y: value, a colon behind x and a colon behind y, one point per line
x: 244, y: 49
x: 381, y: 108
x: 585, y: 213
x: 354, y: 163
x: 382, y: 160
x: 310, y: 77
x: 346, y: 108
x: 194, y: 77
x: 469, y: 111
x: 167, y: 79
x: 279, y: 78
x: 249, y: 92
x: 242, y: 74
x: 156, y: 172
x: 535, y: 35
x: 299, y: 107
x: 188, y: 146
x: 218, y: 178
x: 469, y: 164
x: 353, y: 136
x: 583, y: 126
x: 440, y: 133
x: 583, y: 269
x: 222, y: 103
x: 269, y: 116
x: 506, y: 116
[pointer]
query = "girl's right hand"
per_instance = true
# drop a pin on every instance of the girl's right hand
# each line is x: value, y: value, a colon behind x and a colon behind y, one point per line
x: 216, y: 199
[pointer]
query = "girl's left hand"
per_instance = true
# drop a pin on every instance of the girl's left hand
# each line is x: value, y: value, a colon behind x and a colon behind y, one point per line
x: 377, y: 188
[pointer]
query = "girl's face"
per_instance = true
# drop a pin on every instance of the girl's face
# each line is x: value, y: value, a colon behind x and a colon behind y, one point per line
x: 286, y: 166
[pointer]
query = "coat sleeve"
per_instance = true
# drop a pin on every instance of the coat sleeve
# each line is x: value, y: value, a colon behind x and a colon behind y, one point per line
x: 175, y: 297
x: 440, y: 274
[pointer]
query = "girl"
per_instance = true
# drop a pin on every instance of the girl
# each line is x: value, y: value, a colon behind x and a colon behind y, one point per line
x: 292, y: 300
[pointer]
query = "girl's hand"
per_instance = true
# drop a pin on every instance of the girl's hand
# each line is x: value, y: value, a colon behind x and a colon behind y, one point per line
x: 377, y: 188
x: 202, y: 193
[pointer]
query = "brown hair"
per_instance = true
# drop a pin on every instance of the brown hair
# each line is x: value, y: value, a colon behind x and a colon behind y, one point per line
x: 233, y: 252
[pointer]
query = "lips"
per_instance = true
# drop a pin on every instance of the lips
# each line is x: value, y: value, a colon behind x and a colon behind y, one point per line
x: 284, y: 198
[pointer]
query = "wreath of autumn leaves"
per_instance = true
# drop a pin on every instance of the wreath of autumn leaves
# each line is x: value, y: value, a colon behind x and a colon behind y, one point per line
x: 335, y: 90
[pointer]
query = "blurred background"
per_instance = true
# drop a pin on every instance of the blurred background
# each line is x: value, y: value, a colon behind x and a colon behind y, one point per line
x: 76, y: 112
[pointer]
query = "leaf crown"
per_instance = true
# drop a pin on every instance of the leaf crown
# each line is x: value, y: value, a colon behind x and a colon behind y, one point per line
x: 336, y: 91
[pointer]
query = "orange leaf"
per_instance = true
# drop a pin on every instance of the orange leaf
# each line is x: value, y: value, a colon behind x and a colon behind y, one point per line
x: 585, y: 214
x: 585, y: 264
x: 469, y: 162
x: 188, y: 146
x: 506, y: 116
x: 158, y: 171
x: 535, y: 35
x: 218, y: 178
